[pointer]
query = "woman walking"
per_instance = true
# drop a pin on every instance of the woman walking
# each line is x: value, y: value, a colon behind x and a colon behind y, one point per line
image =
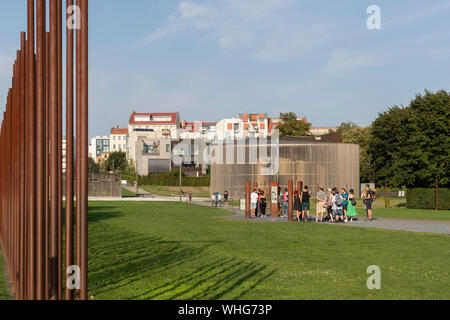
x: 298, y: 205
x: 351, y: 209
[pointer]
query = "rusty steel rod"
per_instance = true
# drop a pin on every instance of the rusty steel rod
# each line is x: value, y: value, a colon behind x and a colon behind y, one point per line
x: 40, y: 149
x: 53, y: 104
x: 83, y: 138
x: 59, y: 146
x: 30, y: 153
x: 77, y: 146
x: 31, y: 160
x: 69, y: 150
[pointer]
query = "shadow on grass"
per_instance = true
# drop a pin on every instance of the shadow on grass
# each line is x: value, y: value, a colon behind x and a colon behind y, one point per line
x: 126, y: 262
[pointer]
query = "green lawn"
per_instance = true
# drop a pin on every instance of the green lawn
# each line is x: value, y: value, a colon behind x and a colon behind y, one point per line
x: 174, y: 191
x: 4, y: 293
x: 127, y: 193
x: 412, y: 214
x: 394, y: 212
x: 170, y: 251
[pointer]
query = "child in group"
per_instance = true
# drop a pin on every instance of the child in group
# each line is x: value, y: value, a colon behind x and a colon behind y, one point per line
x: 213, y: 199
x: 337, y: 206
x: 285, y: 204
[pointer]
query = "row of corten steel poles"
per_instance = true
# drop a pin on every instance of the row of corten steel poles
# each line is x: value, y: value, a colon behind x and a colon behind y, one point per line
x: 32, y: 220
x: 274, y: 204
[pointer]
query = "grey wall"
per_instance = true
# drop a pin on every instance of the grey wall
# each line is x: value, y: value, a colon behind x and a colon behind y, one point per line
x: 102, y: 185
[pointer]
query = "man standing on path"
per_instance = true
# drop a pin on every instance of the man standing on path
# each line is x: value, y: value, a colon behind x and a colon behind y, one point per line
x: 320, y: 207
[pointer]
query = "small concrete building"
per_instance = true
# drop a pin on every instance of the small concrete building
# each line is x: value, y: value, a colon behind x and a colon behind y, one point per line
x: 153, y: 155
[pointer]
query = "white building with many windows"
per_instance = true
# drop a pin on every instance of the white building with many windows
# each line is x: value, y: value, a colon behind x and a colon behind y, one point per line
x: 119, y: 139
x: 99, y: 148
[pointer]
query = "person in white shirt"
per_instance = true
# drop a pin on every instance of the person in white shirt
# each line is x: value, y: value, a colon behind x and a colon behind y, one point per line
x: 254, y: 201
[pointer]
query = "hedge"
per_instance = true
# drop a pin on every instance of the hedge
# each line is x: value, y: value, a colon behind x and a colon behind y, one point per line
x: 425, y: 198
x: 170, y: 179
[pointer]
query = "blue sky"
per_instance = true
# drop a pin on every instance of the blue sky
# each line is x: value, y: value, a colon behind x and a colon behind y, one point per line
x: 214, y: 59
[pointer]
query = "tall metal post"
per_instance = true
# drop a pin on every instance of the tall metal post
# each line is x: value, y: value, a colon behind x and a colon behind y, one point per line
x: 84, y: 145
x: 248, y: 212
x: 31, y: 153
x: 40, y: 149
x: 53, y: 104
x: 31, y: 220
x: 69, y: 149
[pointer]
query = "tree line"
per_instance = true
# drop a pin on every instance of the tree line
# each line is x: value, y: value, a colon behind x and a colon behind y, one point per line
x: 406, y: 145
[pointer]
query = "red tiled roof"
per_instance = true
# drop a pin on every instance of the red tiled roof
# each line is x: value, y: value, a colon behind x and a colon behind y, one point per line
x: 172, y: 115
x: 119, y: 131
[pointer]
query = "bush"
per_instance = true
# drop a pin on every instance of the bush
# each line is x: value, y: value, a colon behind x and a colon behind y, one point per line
x: 170, y: 179
x: 424, y: 198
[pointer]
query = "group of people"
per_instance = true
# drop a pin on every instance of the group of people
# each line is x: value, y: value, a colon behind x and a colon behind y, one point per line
x: 219, y: 199
x: 332, y: 205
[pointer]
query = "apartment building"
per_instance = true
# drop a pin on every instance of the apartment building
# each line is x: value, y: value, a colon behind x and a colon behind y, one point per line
x: 119, y: 139
x: 253, y: 125
x: 168, y: 124
x: 150, y: 137
x: 100, y: 148
x: 206, y: 131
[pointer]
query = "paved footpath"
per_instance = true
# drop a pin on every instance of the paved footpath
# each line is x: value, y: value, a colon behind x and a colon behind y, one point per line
x: 440, y: 227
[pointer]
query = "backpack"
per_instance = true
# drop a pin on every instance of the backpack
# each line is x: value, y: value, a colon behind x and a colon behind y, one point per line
x: 339, y: 201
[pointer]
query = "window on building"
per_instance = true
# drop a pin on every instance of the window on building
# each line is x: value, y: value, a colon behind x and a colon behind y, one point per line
x: 167, y: 147
x: 114, y: 147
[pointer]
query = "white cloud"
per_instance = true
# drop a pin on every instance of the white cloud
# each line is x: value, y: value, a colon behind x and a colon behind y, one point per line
x: 263, y: 29
x: 345, y: 62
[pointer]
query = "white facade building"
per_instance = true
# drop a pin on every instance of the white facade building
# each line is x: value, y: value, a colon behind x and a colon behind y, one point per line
x: 119, y: 140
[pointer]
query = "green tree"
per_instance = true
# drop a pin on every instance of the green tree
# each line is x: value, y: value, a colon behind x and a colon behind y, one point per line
x: 410, y: 145
x: 116, y: 162
x: 362, y: 137
x: 346, y: 126
x: 292, y: 126
x: 93, y: 167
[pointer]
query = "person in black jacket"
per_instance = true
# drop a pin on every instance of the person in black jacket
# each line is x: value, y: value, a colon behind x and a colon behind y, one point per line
x: 263, y: 204
x: 298, y: 205
x: 306, y: 195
